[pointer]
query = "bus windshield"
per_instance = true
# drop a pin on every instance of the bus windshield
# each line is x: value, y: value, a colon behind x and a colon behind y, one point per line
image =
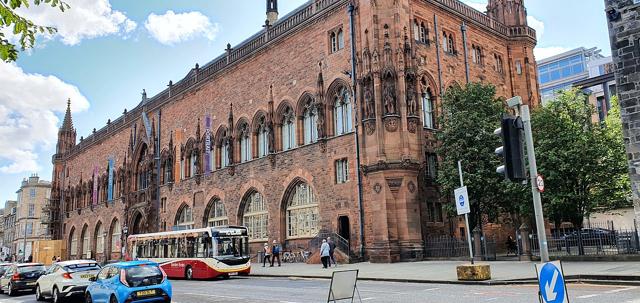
x: 231, y: 246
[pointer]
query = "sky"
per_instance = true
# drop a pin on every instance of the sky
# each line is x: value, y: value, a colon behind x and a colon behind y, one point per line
x: 107, y: 51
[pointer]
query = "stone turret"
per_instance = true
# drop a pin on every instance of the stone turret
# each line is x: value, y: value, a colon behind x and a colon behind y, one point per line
x: 508, y: 12
x: 66, y: 133
x: 272, y: 11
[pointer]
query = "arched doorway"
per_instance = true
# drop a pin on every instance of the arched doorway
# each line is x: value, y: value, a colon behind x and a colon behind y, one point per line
x: 136, y: 227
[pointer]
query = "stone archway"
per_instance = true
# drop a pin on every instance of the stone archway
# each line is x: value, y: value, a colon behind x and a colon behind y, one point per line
x: 137, y: 224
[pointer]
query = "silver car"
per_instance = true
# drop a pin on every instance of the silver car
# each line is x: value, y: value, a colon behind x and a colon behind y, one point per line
x: 66, y: 279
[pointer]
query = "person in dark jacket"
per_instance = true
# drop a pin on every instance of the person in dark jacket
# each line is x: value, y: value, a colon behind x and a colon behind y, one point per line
x: 332, y: 248
x: 275, y: 252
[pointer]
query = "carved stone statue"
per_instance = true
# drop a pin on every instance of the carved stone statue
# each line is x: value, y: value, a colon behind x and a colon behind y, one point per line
x: 389, y: 98
x: 412, y: 106
x: 370, y: 105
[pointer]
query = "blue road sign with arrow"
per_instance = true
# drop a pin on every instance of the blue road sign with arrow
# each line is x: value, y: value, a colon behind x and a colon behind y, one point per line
x: 551, y: 282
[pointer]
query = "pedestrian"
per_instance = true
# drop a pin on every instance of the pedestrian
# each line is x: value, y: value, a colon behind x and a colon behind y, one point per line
x: 324, y: 253
x: 58, y: 259
x: 332, y: 248
x: 267, y: 254
x: 275, y: 253
x: 511, y: 246
x: 30, y: 259
x: 53, y: 260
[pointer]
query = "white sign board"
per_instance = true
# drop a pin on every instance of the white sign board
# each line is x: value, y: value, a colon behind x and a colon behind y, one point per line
x: 462, y: 200
x: 343, y: 285
x: 551, y: 282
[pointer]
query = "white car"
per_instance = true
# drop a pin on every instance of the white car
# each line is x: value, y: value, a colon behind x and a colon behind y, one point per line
x: 66, y: 279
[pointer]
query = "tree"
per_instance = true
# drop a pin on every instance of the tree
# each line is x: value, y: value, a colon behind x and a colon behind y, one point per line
x: 582, y: 162
x: 468, y: 118
x: 21, y: 26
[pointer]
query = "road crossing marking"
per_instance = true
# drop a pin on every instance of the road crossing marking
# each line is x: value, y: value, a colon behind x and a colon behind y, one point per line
x: 613, y: 291
x: 588, y: 296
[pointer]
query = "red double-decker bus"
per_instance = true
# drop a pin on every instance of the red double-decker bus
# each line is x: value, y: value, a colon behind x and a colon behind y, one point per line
x: 203, y: 253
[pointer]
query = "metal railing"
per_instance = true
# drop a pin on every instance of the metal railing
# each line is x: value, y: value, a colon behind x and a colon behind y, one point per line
x: 341, y: 243
x: 451, y: 247
x: 590, y: 241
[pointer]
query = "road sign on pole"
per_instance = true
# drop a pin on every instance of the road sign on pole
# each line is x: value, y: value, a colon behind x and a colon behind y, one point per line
x: 551, y: 283
x: 462, y: 200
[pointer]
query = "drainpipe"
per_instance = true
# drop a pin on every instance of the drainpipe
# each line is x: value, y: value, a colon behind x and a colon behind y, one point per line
x: 435, y: 21
x: 158, y: 171
x: 463, y: 28
x: 352, y: 37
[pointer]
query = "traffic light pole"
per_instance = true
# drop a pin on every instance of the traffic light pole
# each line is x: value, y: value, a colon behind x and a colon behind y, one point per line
x: 533, y: 173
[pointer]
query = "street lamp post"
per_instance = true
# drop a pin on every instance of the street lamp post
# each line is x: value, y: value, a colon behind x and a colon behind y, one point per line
x: 125, y: 231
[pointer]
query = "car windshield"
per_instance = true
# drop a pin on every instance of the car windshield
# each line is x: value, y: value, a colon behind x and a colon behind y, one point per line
x: 81, y: 267
x: 31, y: 268
x: 143, y: 275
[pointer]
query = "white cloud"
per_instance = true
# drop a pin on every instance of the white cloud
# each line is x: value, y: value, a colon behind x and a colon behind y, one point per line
x: 477, y: 4
x: 28, y: 121
x: 546, y: 52
x: 537, y: 25
x: 172, y: 28
x: 85, y: 19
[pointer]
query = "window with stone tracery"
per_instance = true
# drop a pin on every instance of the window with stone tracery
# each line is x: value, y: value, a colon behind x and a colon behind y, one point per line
x: 217, y: 214
x: 184, y: 220
x: 86, y: 250
x: 224, y: 153
x: 99, y: 239
x: 302, y: 212
x: 342, y: 112
x: 245, y: 143
x: 115, y: 236
x: 263, y: 138
x: 74, y: 244
x: 256, y: 217
x: 288, y: 129
x: 428, y: 117
x: 310, y: 124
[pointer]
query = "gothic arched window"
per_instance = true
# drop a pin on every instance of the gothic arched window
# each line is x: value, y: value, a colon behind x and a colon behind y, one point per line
x: 217, y: 215
x: 334, y: 42
x: 245, y: 143
x: 263, y: 138
x: 99, y: 236
x: 224, y: 153
x: 310, y: 124
x: 452, y: 47
x: 416, y: 30
x: 184, y: 219
x: 288, y: 130
x: 302, y: 212
x: 86, y: 250
x: 340, y: 39
x: 143, y: 174
x: 424, y: 33
x: 73, y: 247
x: 342, y: 112
x: 428, y: 118
x: 115, y: 236
x: 445, y: 43
x: 255, y: 216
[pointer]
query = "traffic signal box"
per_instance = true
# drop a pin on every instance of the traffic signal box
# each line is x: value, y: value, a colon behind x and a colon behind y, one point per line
x: 512, y: 149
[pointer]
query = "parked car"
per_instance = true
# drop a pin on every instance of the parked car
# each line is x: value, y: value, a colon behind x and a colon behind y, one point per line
x: 591, y: 237
x: 66, y: 279
x: 133, y: 281
x: 20, y: 277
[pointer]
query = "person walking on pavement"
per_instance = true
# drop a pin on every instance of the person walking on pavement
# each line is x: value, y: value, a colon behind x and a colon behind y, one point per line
x: 332, y: 248
x: 275, y: 253
x: 267, y: 254
x: 324, y: 253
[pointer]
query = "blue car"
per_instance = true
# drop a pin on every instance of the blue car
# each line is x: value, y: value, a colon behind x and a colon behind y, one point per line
x: 124, y: 282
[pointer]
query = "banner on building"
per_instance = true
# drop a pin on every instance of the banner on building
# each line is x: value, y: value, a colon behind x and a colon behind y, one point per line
x: 95, y: 185
x: 207, y: 145
x: 110, y: 180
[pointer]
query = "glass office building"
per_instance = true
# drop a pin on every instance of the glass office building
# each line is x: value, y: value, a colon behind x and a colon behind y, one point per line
x: 561, y: 71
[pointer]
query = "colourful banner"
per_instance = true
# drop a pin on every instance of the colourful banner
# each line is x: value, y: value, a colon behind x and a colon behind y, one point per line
x: 207, y: 145
x: 110, y: 181
x: 95, y: 185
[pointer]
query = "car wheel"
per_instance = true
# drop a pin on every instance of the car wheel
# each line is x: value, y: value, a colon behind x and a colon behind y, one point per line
x: 56, y: 295
x: 39, y: 296
x: 1, y: 291
x: 10, y: 291
x: 87, y: 298
x: 113, y: 299
x: 188, y: 273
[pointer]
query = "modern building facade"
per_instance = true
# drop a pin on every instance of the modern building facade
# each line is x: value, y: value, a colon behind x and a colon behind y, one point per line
x: 32, y: 196
x: 561, y: 71
x: 265, y: 134
x: 9, y: 230
x: 624, y: 33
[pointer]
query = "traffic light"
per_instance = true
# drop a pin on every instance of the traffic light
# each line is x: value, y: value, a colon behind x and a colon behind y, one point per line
x: 512, y: 149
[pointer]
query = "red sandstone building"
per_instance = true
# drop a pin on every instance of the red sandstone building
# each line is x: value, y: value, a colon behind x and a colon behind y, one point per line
x: 264, y: 135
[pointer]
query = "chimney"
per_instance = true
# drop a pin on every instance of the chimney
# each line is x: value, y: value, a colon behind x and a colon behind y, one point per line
x: 272, y: 11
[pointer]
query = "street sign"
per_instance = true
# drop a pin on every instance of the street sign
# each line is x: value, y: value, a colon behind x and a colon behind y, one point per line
x: 462, y: 200
x: 540, y: 183
x: 551, y: 282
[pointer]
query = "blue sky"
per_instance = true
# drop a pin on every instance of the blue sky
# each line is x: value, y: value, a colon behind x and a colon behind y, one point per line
x: 106, y: 52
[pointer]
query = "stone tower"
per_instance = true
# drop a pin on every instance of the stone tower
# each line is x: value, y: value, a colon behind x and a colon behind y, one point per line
x: 508, y: 12
x: 66, y: 133
x: 624, y: 27
x: 272, y: 11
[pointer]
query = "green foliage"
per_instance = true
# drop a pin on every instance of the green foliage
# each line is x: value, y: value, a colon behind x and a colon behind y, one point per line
x: 583, y: 162
x: 22, y: 27
x: 468, y: 118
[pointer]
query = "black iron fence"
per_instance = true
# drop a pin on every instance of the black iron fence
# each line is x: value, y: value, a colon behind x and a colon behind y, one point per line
x: 593, y: 240
x: 451, y: 247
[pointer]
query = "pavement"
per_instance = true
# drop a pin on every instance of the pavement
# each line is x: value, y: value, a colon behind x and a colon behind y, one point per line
x: 285, y: 290
x: 444, y: 272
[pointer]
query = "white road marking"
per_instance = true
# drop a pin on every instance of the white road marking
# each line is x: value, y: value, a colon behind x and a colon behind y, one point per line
x: 619, y: 290
x: 588, y: 296
x: 209, y: 295
x: 365, y: 299
x: 430, y: 289
x: 491, y: 299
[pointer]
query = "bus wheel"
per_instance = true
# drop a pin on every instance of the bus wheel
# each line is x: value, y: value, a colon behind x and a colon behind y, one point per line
x: 188, y: 273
